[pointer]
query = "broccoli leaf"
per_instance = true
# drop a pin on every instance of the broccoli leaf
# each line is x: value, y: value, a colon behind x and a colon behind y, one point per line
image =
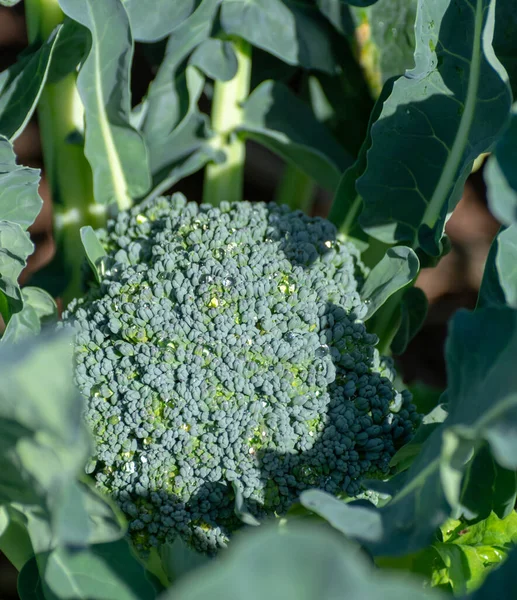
x: 504, y: 38
x: 272, y: 116
x: 294, y: 32
x: 397, y: 268
x: 175, y: 131
x: 216, y: 58
x: 500, y: 175
x: 39, y: 309
x: 347, y: 203
x: 152, y: 20
x: 439, y: 117
x: 21, y: 86
x: 169, y: 99
x: 414, y: 306
x: 116, y: 151
x: 94, y: 251
x: 501, y: 582
x: 20, y: 202
x: 300, y: 562
x: 469, y: 552
x: 384, y: 39
x: 506, y: 263
x: 485, y: 473
x: 499, y: 283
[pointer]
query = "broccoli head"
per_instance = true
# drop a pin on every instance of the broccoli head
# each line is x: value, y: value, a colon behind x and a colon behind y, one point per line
x: 223, y: 354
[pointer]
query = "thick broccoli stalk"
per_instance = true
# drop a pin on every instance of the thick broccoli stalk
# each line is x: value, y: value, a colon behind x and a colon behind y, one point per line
x: 224, y: 347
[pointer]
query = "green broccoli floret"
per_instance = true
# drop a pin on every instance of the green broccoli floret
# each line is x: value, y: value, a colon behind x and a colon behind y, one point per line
x: 224, y: 347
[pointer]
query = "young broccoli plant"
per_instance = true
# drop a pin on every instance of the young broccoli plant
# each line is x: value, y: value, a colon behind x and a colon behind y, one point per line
x: 225, y: 347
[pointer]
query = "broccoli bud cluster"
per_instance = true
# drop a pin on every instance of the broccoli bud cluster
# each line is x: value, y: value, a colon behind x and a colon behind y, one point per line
x: 223, y: 350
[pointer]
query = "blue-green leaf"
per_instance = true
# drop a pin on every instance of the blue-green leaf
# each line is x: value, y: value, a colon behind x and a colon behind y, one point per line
x: 216, y: 58
x: 506, y: 263
x: 19, y: 199
x: 175, y: 131
x: 168, y: 100
x: 504, y: 38
x: 484, y: 473
x: 299, y: 562
x: 439, y: 117
x: 101, y: 572
x: 292, y: 31
x: 15, y: 247
x: 272, y: 116
x: 414, y: 306
x: 491, y: 293
x: 178, y: 559
x: 398, y: 267
x: 383, y: 37
x: 500, y: 175
x: 362, y: 521
x: 94, y: 250
x: 347, y: 203
x: 21, y: 86
x: 39, y: 404
x: 116, y: 151
x: 152, y: 20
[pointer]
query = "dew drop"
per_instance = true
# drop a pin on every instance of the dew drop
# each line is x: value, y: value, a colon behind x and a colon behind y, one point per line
x: 322, y: 351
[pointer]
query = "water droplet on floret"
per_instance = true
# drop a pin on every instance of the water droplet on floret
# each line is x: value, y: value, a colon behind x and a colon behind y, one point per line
x: 322, y: 351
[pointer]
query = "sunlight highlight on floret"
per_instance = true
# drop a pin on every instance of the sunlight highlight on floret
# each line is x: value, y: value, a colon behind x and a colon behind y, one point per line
x: 224, y: 348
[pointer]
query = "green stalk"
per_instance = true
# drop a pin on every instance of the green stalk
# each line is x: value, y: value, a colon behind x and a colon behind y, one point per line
x: 296, y: 189
x: 225, y: 181
x: 60, y: 114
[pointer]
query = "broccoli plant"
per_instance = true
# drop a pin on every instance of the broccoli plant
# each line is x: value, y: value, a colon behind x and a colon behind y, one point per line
x: 199, y: 396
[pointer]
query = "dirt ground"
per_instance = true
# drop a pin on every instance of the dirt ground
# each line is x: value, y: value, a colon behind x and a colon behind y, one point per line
x: 452, y: 284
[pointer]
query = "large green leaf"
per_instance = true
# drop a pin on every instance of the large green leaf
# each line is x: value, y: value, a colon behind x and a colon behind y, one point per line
x: 499, y: 283
x: 347, y: 203
x: 484, y: 473
x: 168, y: 100
x: 39, y: 308
x: 469, y: 552
x: 15, y: 247
x: 491, y: 293
x: 414, y: 306
x: 43, y: 442
x: 21, y: 86
x: 501, y: 583
x: 504, y: 38
x: 500, y: 175
x: 506, y: 264
x: 216, y: 58
x: 439, y: 117
x: 272, y: 116
x: 71, y: 47
x: 300, y: 562
x: 152, y: 20
x: 102, y: 572
x: 19, y: 199
x: 116, y: 151
x: 94, y: 251
x: 175, y: 131
x: 380, y: 34
x: 19, y: 206
x: 398, y: 267
x: 293, y: 31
